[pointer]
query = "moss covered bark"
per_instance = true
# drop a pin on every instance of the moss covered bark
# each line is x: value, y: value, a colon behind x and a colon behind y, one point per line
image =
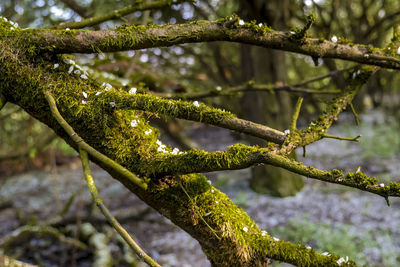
x: 230, y: 237
x: 227, y: 29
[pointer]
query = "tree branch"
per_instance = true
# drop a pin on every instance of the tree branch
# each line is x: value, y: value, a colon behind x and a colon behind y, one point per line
x: 249, y: 86
x: 242, y: 156
x: 318, y: 128
x: 116, y: 14
x: 139, y: 37
x: 72, y: 4
x: 110, y: 218
x: 93, y: 152
x: 23, y: 231
x: 379, y: 23
x: 189, y: 111
x: 355, y: 139
x: 24, y: 80
x: 295, y: 116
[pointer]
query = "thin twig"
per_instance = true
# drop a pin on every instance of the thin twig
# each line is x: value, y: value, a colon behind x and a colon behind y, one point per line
x: 249, y: 86
x: 356, y: 118
x: 110, y: 218
x: 198, y: 211
x: 355, y: 139
x: 322, y: 77
x: 295, y: 116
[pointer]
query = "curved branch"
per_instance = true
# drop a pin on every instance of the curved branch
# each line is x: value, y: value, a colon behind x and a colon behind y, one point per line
x: 190, y: 111
x: 318, y: 128
x: 93, y: 152
x: 380, y: 22
x: 110, y: 218
x: 242, y: 156
x: 246, y: 88
x: 242, y: 242
x: 139, y: 37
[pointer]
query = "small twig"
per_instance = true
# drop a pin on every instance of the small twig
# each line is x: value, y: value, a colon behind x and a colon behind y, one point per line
x: 356, y: 118
x: 197, y: 210
x: 300, y: 33
x: 246, y: 87
x: 355, y: 139
x: 92, y: 152
x: 295, y: 116
x: 25, y: 230
x: 322, y: 77
x: 304, y: 151
x: 110, y: 218
x: 78, y: 222
x: 67, y: 205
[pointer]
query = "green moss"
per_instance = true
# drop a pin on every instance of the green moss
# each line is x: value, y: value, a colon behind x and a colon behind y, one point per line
x: 174, y: 108
x: 362, y: 179
x: 299, y: 34
x: 25, y: 78
x: 337, y: 173
x: 161, y: 164
x: 343, y: 40
x: 234, y: 21
x: 261, y: 28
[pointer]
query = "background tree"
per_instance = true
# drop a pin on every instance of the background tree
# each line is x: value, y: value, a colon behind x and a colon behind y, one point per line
x: 107, y: 117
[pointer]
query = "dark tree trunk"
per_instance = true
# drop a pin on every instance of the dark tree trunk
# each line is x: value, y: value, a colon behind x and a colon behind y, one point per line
x: 266, y: 65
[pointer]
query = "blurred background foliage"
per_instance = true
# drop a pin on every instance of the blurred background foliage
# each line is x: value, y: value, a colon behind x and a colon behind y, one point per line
x: 26, y: 143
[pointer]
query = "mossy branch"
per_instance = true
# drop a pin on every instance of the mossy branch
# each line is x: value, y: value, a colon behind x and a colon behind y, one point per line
x: 252, y: 86
x: 318, y: 128
x: 110, y: 218
x: 356, y: 117
x: 92, y: 152
x: 322, y: 77
x: 295, y: 116
x: 299, y: 34
x: 25, y: 77
x: 139, y: 37
x: 242, y: 156
x: 118, y: 13
x: 189, y: 111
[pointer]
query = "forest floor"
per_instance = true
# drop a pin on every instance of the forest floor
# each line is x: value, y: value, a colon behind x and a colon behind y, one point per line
x: 327, y: 217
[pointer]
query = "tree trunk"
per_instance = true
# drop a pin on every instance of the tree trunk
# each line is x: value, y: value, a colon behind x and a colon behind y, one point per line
x: 266, y: 65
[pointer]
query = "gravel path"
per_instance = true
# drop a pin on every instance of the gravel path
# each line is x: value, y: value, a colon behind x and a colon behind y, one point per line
x: 362, y: 216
